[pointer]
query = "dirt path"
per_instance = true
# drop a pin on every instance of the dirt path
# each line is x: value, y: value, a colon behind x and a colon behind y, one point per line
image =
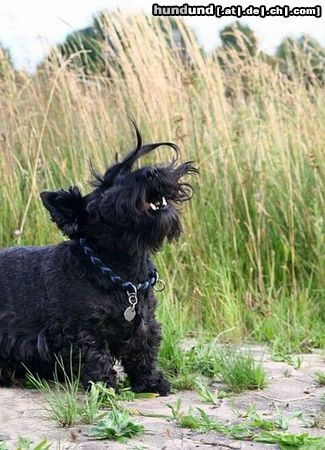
x: 291, y: 390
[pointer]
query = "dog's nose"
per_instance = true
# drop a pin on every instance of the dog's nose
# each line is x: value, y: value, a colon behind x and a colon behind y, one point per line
x: 151, y: 172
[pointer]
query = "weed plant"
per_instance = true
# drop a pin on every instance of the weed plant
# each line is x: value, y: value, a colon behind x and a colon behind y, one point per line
x: 255, y: 429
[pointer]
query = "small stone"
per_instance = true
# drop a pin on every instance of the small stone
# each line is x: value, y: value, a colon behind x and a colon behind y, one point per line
x: 215, y: 439
x: 92, y: 445
x: 307, y: 391
x: 4, y: 437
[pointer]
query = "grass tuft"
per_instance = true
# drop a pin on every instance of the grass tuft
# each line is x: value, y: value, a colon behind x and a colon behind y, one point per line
x: 26, y: 443
x: 186, y: 367
x: 320, y: 378
x: 66, y: 403
x: 62, y: 399
x: 239, y: 371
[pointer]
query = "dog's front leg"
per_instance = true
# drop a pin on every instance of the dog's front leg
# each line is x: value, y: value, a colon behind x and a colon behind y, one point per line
x: 139, y: 359
x: 97, y: 365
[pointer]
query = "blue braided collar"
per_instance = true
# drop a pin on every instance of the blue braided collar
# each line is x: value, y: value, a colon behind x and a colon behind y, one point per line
x: 116, y: 279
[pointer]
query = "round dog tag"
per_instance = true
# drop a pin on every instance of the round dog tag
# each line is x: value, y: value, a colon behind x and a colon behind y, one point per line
x: 129, y: 313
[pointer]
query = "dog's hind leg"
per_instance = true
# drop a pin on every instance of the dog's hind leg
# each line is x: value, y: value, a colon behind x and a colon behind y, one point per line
x: 5, y: 377
x: 139, y: 359
x: 18, y: 349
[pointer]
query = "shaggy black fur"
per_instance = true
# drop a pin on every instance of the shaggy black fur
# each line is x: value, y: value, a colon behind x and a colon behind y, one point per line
x: 53, y: 299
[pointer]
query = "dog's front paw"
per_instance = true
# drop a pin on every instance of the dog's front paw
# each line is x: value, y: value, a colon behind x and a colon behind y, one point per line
x: 157, y: 384
x: 109, y: 380
x: 162, y: 386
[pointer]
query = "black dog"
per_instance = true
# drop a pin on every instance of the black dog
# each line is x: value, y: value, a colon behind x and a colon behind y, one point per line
x: 93, y: 293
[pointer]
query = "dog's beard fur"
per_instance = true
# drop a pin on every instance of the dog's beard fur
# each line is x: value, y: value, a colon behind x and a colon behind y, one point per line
x: 127, y: 208
x: 122, y: 207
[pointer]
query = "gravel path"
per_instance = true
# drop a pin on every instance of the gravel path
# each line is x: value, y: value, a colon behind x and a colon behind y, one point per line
x: 291, y: 390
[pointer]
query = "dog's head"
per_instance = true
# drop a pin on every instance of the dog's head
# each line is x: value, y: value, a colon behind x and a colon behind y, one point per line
x: 136, y: 206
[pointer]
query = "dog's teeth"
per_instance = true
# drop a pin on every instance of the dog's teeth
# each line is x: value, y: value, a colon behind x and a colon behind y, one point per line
x: 164, y: 201
x: 152, y: 206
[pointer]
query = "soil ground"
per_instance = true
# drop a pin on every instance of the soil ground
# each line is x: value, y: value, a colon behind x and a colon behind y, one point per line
x: 290, y: 390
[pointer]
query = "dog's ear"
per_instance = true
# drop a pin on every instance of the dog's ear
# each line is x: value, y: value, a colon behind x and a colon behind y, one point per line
x: 66, y: 209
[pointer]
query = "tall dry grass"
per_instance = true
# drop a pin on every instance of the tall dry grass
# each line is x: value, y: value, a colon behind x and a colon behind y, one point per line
x: 249, y: 263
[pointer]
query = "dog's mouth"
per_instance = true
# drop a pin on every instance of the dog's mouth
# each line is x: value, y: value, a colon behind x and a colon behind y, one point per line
x: 156, y: 203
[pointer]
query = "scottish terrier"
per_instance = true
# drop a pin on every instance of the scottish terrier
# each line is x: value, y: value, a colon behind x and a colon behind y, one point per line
x: 93, y: 293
